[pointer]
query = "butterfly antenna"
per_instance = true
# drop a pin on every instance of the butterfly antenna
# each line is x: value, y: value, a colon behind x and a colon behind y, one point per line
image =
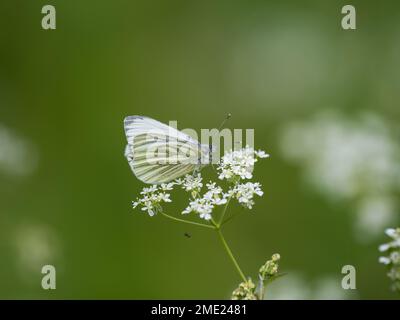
x: 225, y: 120
x: 220, y: 127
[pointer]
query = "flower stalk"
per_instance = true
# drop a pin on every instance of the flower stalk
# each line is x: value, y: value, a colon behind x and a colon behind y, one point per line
x: 187, y: 221
x: 230, y: 254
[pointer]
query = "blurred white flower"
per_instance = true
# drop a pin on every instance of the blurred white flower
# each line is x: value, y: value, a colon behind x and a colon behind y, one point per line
x: 384, y: 260
x: 373, y: 214
x: 261, y: 154
x: 291, y: 287
x: 328, y: 288
x: 17, y: 156
x: 392, y: 258
x: 36, y: 246
x: 349, y: 160
x: 395, y: 257
x: 395, y: 243
x: 294, y: 286
x: 393, y: 233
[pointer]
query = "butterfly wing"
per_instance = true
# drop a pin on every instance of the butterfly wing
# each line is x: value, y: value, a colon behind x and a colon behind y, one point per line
x: 158, y: 153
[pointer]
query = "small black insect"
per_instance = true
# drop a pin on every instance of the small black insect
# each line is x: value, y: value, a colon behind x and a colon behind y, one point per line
x: 187, y: 235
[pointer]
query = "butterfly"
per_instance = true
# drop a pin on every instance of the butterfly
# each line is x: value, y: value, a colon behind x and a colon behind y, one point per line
x: 158, y: 153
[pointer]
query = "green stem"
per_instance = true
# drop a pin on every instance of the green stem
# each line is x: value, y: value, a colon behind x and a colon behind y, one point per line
x: 229, y: 252
x: 187, y: 221
x: 230, y: 218
x: 226, y: 206
x: 216, y: 225
x: 224, y: 210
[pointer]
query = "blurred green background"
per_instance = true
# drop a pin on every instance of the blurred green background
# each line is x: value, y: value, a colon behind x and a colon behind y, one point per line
x: 66, y: 188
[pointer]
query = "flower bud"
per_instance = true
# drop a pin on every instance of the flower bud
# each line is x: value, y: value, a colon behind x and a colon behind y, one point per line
x: 270, y: 268
x: 245, y: 291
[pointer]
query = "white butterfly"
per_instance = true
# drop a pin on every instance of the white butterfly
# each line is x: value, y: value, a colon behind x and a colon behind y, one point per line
x: 158, y: 153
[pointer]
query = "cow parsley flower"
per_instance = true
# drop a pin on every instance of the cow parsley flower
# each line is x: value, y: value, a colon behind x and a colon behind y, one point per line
x: 245, y: 192
x: 239, y: 164
x: 201, y: 206
x: 392, y: 259
x: 167, y: 186
x: 234, y: 167
x: 261, y: 154
x: 152, y: 198
x: 215, y: 194
x: 395, y: 243
x: 149, y: 190
x: 192, y: 183
x: 204, y: 205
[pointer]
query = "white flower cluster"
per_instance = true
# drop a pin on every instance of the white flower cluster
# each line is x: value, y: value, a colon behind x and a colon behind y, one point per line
x: 204, y: 206
x: 245, y: 192
x: 234, y: 167
x: 239, y: 164
x: 392, y: 260
x: 192, y: 183
x: 349, y: 159
x: 18, y: 157
x: 152, y: 198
